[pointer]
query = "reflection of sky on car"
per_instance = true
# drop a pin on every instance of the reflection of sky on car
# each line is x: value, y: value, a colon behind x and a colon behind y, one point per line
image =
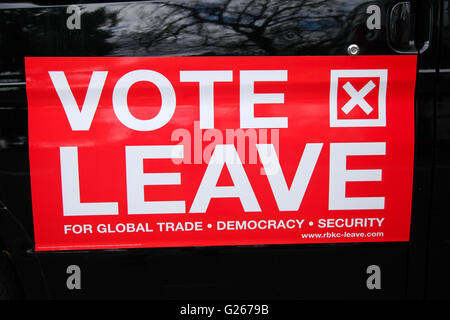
x: 317, y: 24
x: 184, y: 28
x: 241, y: 26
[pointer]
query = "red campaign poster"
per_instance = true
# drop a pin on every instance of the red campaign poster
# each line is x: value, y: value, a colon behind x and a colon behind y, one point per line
x: 133, y: 152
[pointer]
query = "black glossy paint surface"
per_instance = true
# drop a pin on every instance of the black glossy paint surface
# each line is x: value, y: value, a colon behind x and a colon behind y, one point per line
x: 232, y: 28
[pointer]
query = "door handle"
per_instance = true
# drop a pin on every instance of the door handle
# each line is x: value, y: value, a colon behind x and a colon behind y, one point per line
x: 403, y: 22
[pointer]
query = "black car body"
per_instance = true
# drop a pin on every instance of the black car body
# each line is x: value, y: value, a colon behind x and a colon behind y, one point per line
x: 413, y: 269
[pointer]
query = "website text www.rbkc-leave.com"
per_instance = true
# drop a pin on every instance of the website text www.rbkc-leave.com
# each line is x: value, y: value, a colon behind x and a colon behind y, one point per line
x: 331, y: 235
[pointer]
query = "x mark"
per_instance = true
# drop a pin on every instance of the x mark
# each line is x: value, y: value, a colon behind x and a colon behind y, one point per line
x: 357, y: 97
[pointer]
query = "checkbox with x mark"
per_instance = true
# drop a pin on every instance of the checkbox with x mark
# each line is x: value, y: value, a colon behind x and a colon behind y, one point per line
x: 358, y: 98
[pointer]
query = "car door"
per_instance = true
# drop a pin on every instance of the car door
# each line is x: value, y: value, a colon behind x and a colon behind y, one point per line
x: 326, y: 32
